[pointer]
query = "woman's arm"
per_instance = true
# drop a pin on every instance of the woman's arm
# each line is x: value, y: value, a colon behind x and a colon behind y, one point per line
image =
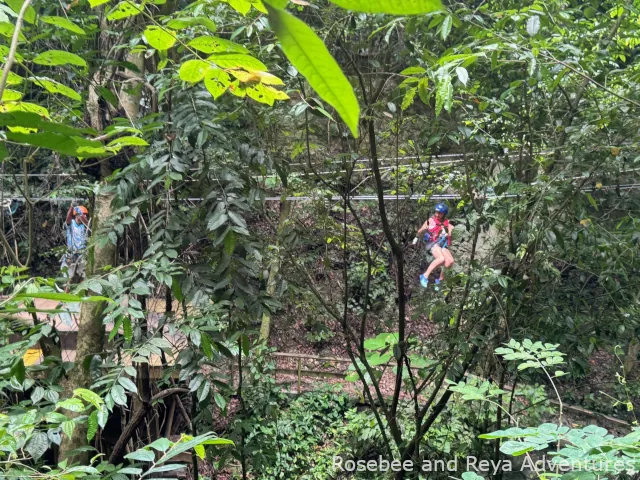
x: 70, y: 214
x: 423, y: 229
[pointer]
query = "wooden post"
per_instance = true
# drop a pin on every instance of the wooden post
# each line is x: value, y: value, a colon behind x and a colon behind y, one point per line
x: 299, y: 373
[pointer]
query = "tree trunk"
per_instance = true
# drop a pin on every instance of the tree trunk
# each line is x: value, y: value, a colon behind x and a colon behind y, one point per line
x: 274, y: 270
x: 631, y: 356
x: 90, y: 328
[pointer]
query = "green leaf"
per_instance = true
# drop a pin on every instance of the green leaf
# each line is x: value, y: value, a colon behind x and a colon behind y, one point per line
x: 392, y: 7
x: 422, y: 90
x: 159, y: 38
x: 238, y: 60
x: 92, y: 425
x: 517, y: 448
x: 443, y: 93
x: 166, y: 468
x: 8, y: 29
x: 68, y: 427
x: 245, y: 345
x: 16, y: 6
x: 128, y: 141
x: 59, y: 57
x: 127, y: 329
x: 463, y: 75
x: 533, y: 25
x: 128, y: 384
x: 592, y: 201
x: 63, y: 23
x: 130, y: 471
x: 124, y: 10
x: 220, y: 401
x: 205, y: 388
x: 96, y: 3
x: 205, y: 344
x: 71, y: 404
x: 471, y: 476
x: 161, y: 444
x: 103, y: 416
x: 52, y: 86
x: 210, y: 44
x: 195, y: 382
x: 200, y: 440
x: 37, y: 395
x: 141, y: 455
x: 217, y: 220
x: 61, y: 297
x: 88, y: 396
x: 185, y: 22
x: 38, y: 445
x: 193, y: 71
x: 217, y: 81
x: 407, y: 101
x: 118, y: 395
x: 413, y: 71
x: 230, y: 242
x: 306, y: 51
x: 446, y: 27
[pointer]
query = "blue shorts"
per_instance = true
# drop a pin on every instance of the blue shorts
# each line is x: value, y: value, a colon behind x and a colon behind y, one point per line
x: 442, y: 243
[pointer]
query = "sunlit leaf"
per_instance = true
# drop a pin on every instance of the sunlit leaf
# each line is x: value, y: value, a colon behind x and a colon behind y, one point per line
x: 52, y: 86
x: 211, y: 44
x: 124, y: 10
x: 238, y: 60
x: 159, y: 38
x: 393, y: 7
x: 216, y: 81
x: 307, y: 52
x: 29, y: 14
x: 63, y: 23
x: 59, y: 57
x: 193, y: 71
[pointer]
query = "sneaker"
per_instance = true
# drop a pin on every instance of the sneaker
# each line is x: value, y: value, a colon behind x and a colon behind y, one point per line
x: 437, y: 285
x: 424, y: 281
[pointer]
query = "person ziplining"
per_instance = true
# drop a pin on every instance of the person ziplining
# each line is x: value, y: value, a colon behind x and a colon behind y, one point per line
x: 74, y: 260
x: 437, y: 236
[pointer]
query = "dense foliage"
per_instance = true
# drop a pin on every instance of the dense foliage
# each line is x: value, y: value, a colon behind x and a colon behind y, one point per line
x: 255, y: 172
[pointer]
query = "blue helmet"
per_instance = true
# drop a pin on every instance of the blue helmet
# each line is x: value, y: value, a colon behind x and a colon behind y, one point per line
x: 442, y: 207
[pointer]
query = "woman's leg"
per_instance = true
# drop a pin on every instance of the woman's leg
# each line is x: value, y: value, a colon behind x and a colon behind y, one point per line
x: 436, y: 251
x: 448, y: 258
x: 448, y: 261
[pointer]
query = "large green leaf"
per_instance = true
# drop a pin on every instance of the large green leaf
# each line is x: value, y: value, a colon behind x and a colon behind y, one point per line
x: 211, y: 44
x: 185, y: 22
x: 59, y: 57
x: 193, y: 71
x: 61, y: 297
x: 38, y: 445
x: 393, y: 7
x: 7, y: 29
x: 63, y: 23
x: 124, y: 10
x: 238, y: 60
x: 306, y: 51
x: 33, y: 120
x: 128, y: 141
x: 16, y: 5
x: 52, y: 86
x: 141, y: 455
x: 159, y: 38
x: 217, y: 81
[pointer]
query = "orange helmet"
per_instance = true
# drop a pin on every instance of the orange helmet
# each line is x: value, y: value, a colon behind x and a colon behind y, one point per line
x: 81, y: 210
